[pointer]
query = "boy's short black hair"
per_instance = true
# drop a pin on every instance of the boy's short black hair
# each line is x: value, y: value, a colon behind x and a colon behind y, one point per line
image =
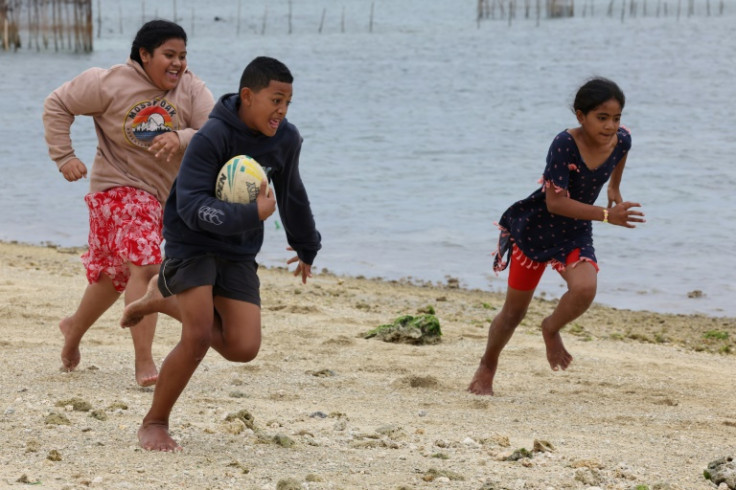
x: 153, y: 34
x: 259, y: 73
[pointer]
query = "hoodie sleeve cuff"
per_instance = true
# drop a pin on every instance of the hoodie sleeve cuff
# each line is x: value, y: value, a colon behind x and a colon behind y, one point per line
x: 307, y: 256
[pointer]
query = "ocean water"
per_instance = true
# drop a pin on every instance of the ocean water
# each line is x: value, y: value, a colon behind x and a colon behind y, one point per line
x: 421, y: 126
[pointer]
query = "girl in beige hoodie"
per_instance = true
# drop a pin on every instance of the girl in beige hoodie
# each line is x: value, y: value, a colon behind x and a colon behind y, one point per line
x: 145, y: 113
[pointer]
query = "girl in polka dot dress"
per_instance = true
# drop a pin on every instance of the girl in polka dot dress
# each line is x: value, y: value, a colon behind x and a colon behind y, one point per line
x: 553, y: 226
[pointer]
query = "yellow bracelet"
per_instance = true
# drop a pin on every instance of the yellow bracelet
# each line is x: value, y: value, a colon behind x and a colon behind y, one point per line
x: 605, y: 215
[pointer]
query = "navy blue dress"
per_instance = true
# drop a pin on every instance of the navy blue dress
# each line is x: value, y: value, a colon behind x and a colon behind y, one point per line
x: 546, y: 237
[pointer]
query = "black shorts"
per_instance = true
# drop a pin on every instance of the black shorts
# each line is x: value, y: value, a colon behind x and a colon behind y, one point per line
x: 230, y: 279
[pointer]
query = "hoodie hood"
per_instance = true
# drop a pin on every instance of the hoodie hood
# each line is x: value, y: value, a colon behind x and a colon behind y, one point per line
x: 227, y: 110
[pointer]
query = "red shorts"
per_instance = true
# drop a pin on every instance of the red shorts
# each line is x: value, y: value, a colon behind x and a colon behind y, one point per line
x: 525, y: 274
x: 125, y: 226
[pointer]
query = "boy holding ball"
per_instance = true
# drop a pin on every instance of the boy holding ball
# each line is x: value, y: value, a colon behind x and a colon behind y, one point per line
x: 209, y: 278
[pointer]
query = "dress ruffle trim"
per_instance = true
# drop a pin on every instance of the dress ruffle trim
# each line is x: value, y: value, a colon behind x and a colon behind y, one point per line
x: 546, y: 184
x: 560, y: 267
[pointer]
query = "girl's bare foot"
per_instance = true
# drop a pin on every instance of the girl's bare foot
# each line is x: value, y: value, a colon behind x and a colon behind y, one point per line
x: 557, y: 355
x: 70, y: 355
x: 154, y: 436
x: 482, y: 382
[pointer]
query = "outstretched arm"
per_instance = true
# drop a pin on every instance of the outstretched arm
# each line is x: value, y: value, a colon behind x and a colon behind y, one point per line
x: 621, y: 214
x: 614, y: 194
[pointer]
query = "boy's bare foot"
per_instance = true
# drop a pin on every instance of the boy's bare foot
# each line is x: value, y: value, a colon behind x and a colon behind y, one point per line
x: 155, y: 437
x: 145, y: 305
x: 146, y: 373
x: 557, y: 355
x: 482, y: 382
x: 70, y: 355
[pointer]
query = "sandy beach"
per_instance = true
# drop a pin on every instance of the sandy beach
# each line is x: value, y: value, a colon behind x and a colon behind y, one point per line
x: 647, y: 403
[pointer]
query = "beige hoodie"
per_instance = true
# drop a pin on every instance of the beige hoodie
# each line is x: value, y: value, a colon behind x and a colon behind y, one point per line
x: 128, y: 112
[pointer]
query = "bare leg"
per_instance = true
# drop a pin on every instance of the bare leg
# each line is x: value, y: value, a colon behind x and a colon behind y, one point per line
x: 236, y: 333
x: 96, y: 300
x: 196, y: 337
x: 581, y: 289
x: 151, y: 302
x: 145, y: 369
x: 500, y: 332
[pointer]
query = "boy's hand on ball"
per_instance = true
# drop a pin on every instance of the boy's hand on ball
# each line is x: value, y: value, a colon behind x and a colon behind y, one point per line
x: 266, y: 201
x: 623, y: 215
x: 73, y: 170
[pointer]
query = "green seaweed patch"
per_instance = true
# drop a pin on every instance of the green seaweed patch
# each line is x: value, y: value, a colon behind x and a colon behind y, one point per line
x: 716, y: 335
x: 56, y: 419
x: 77, y: 404
x: 416, y: 330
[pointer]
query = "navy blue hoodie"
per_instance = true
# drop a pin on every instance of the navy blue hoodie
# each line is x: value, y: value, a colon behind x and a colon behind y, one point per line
x: 197, y: 223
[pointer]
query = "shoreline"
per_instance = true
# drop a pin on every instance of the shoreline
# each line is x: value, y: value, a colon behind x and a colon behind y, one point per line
x: 647, y: 400
x: 449, y: 282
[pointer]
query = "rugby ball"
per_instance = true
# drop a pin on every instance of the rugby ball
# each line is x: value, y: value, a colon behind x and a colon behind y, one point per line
x: 239, y: 180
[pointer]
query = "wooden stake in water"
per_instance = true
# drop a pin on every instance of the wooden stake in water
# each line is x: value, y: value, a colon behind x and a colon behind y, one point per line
x: 322, y: 20
x: 290, y: 13
x: 237, y: 22
x: 370, y: 22
x: 265, y: 16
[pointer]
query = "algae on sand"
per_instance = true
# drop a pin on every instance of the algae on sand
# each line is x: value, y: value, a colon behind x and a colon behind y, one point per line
x: 408, y: 329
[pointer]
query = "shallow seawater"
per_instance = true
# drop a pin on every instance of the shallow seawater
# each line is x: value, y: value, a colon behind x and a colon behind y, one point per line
x: 419, y: 134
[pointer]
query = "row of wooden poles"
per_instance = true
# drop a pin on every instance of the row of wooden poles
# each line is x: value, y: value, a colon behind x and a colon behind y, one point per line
x: 68, y: 24
x: 566, y: 8
x: 264, y: 20
x: 57, y: 24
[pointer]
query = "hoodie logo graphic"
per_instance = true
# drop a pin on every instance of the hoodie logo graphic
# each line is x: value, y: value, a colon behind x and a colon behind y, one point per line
x: 210, y: 215
x: 146, y: 120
